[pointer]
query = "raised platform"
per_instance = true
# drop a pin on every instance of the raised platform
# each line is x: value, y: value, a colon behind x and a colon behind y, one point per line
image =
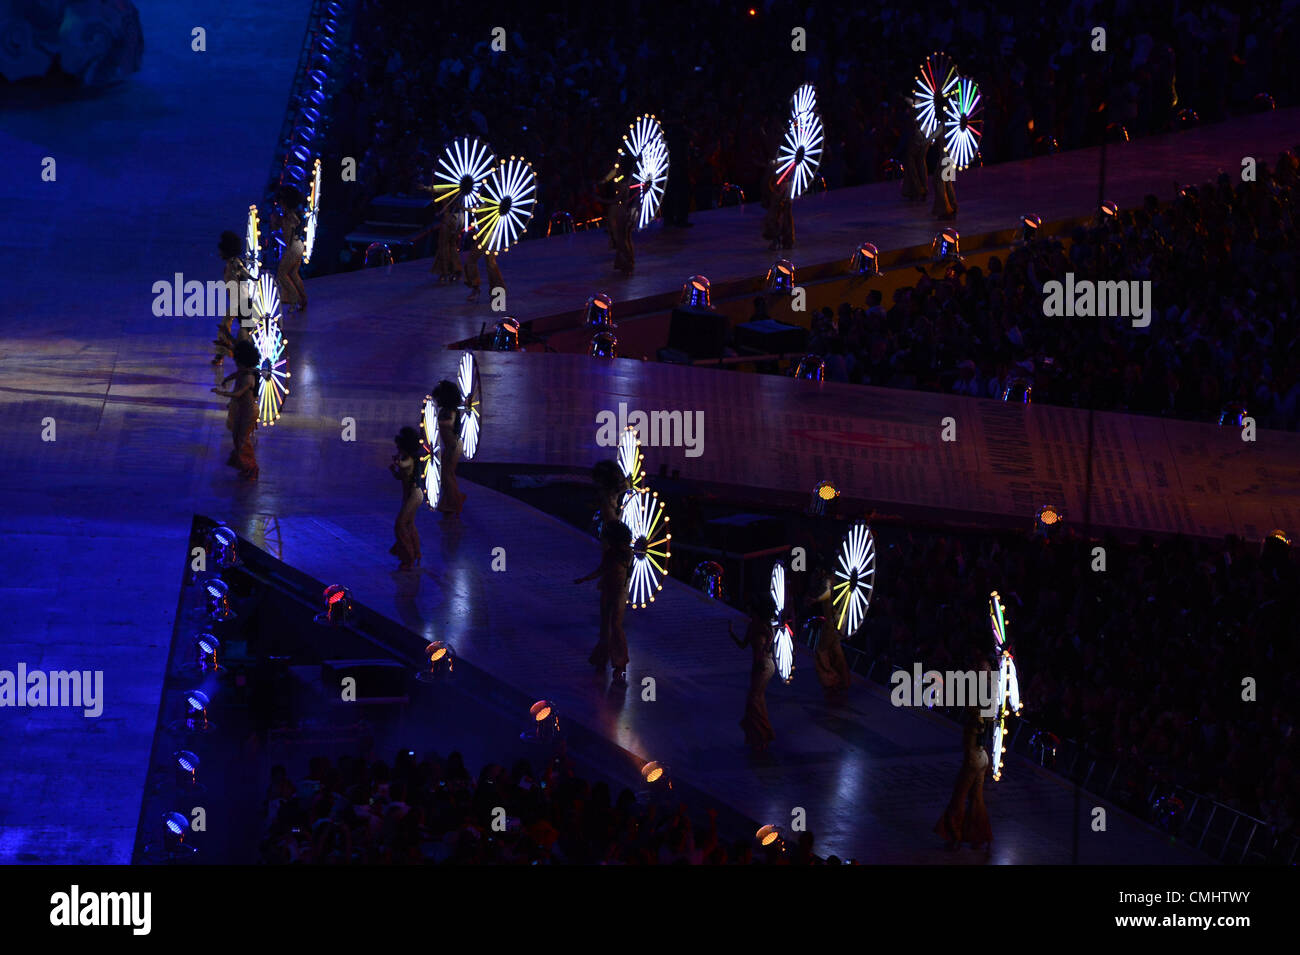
x: 95, y: 521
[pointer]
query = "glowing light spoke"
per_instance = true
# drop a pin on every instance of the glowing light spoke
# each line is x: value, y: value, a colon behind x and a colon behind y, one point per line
x: 253, y: 245
x: 857, y: 571
x: 471, y: 405
x: 461, y: 170
x: 804, y: 102
x: 934, y: 85
x: 645, y: 148
x: 963, y: 126
x: 506, y: 206
x: 645, y: 517
x: 313, y: 214
x: 782, y: 635
x: 800, y: 152
x: 630, y: 458
x: 430, y: 463
x: 273, y: 361
x: 1008, y: 695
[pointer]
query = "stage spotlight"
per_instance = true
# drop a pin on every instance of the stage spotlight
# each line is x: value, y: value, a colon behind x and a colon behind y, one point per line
x: 1029, y: 227
x: 561, y: 223
x: 1044, y: 745
x: 206, y: 648
x: 338, y: 606
x: 768, y: 835
x: 866, y: 260
x: 708, y: 578
x: 1187, y: 118
x: 506, y: 336
x: 731, y: 195
x: 1168, y: 813
x: 217, y: 594
x: 187, y: 769
x: 1233, y: 414
x: 544, y: 723
x: 1116, y: 133
x: 695, y: 293
x: 946, y: 246
x: 222, y: 546
x: 780, y: 277
x: 600, y: 311
x: 1108, y: 212
x: 378, y: 256
x: 656, y: 776
x: 196, y: 712
x: 809, y: 368
x: 603, y: 345
x: 175, y: 828
x: 1048, y: 518
x: 1263, y: 103
x: 1019, y: 390
x: 891, y: 170
x: 309, y: 117
x: 822, y: 494
x: 1279, y: 536
x: 441, y: 662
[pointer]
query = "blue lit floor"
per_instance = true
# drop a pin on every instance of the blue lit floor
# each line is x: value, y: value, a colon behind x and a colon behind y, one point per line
x: 94, y: 524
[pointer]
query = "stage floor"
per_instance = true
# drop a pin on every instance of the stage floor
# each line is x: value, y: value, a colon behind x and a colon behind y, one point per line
x: 95, y: 522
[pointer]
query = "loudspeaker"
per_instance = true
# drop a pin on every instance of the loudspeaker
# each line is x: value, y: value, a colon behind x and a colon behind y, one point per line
x: 770, y: 337
x: 376, y: 679
x: 697, y: 332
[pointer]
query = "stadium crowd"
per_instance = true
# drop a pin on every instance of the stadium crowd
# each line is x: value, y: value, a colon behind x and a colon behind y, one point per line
x: 1224, y: 324
x: 356, y: 811
x: 570, y: 79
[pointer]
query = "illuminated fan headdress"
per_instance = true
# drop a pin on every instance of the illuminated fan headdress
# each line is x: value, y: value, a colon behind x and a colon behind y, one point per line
x: 782, y: 635
x: 630, y: 459
x: 644, y: 515
x: 313, y: 214
x: 431, y: 453
x: 856, y: 570
x: 646, y: 154
x: 506, y: 205
x: 461, y: 170
x: 935, y: 83
x: 253, y: 245
x: 471, y: 404
x: 1008, y: 693
x: 273, y: 360
x: 963, y: 123
x: 800, y: 153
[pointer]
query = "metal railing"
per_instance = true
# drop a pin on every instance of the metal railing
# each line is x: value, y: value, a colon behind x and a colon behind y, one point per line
x: 1207, y: 825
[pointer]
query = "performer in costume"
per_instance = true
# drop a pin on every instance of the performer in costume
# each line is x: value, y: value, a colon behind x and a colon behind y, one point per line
x: 447, y: 397
x: 758, y: 637
x: 778, y: 224
x: 405, y: 468
x: 945, y: 189
x: 288, y: 281
x: 832, y: 667
x: 470, y: 255
x: 613, y: 570
x: 446, y: 262
x: 967, y: 818
x: 241, y: 411
x: 621, y: 212
x: 230, y: 328
x: 610, y: 484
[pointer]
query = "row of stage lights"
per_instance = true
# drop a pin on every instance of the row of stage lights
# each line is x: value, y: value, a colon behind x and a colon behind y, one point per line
x: 308, y: 123
x: 945, y: 249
